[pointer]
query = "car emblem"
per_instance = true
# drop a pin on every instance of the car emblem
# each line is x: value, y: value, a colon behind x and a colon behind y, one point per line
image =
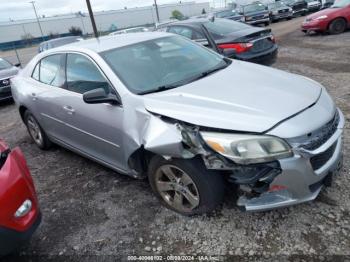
x: 5, y: 82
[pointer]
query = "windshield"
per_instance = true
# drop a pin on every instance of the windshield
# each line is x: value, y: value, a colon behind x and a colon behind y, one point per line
x: 276, y: 5
x: 161, y: 63
x: 4, y: 64
x: 254, y: 8
x: 340, y: 3
x: 222, y: 27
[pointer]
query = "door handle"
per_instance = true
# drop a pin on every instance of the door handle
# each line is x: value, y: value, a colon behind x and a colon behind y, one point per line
x: 70, y: 110
x: 34, y: 97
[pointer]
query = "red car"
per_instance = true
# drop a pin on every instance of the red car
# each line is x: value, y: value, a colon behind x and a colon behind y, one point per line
x: 334, y: 20
x: 19, y: 210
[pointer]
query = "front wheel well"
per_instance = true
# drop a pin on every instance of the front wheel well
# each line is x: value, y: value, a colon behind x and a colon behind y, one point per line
x: 139, y: 161
x: 340, y: 17
x: 22, y: 110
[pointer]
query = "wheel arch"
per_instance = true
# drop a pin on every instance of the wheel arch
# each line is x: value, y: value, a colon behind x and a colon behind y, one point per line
x: 338, y: 17
x: 22, y: 109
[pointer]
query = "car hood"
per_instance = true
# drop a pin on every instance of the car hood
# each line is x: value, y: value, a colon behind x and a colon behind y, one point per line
x: 327, y: 11
x: 242, y: 97
x: 8, y: 72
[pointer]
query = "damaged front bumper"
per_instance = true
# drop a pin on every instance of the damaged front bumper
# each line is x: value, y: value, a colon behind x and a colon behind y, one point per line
x: 302, y: 176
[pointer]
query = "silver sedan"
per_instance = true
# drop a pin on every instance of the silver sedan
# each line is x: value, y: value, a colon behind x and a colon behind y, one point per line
x: 157, y: 105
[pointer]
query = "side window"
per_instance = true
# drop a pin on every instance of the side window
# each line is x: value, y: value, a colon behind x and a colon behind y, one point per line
x: 50, y: 70
x: 197, y: 35
x: 83, y: 75
x: 35, y: 74
x: 181, y: 30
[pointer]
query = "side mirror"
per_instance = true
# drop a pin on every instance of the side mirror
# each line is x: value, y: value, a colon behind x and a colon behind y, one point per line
x: 99, y: 96
x: 18, y: 65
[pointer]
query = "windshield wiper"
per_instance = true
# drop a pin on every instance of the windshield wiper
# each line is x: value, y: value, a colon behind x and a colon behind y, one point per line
x: 158, y: 89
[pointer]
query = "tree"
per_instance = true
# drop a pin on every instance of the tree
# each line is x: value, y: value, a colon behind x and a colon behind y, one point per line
x: 204, y: 12
x: 177, y: 15
x: 27, y: 38
x: 75, y: 30
x: 53, y: 35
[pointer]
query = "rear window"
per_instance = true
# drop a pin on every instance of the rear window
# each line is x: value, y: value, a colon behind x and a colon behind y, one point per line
x: 224, y: 27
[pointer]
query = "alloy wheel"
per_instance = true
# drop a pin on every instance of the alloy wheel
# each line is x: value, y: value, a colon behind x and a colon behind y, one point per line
x: 176, y: 188
x: 34, y: 130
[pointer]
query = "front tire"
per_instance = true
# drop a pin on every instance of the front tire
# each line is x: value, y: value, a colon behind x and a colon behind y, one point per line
x: 337, y: 26
x: 185, y: 185
x: 36, y: 132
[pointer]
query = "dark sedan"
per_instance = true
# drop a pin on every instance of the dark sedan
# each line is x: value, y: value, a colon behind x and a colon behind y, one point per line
x: 299, y: 6
x: 255, y: 13
x: 278, y: 11
x: 231, y: 14
x: 233, y: 39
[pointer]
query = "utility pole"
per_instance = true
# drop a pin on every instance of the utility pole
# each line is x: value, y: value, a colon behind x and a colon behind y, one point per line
x: 92, y: 18
x: 37, y: 19
x: 156, y: 6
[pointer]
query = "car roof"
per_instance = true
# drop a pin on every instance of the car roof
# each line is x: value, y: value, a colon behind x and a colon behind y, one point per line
x: 108, y: 42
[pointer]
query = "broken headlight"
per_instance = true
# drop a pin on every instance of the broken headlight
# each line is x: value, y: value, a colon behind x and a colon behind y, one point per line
x: 248, y: 149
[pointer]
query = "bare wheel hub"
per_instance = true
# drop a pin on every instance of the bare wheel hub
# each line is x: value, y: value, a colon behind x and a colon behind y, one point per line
x: 177, y: 188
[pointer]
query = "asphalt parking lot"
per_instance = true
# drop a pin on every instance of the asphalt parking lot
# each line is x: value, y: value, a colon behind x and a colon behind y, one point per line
x: 91, y: 211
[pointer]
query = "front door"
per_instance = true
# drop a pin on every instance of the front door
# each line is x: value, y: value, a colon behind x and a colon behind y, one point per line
x: 95, y: 129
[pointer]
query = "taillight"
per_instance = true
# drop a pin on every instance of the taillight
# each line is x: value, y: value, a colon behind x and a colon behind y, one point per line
x: 239, y: 47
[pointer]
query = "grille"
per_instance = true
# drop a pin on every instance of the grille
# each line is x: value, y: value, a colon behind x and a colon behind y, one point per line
x: 261, y: 45
x: 283, y: 11
x: 323, y: 134
x: 4, y: 82
x: 319, y: 160
x: 258, y: 17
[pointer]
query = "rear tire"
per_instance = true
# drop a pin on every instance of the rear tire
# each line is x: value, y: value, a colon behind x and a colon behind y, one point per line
x: 337, y: 26
x: 185, y: 185
x: 36, y: 132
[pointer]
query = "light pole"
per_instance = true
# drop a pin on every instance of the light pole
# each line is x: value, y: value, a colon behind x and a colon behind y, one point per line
x: 37, y: 19
x: 92, y: 18
x: 156, y: 6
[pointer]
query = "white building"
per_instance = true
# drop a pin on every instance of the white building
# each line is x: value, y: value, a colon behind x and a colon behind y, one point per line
x: 105, y: 21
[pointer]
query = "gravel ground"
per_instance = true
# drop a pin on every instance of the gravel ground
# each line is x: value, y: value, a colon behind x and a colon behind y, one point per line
x: 92, y: 212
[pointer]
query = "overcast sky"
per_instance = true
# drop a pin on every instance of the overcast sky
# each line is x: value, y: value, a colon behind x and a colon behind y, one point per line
x: 22, y: 9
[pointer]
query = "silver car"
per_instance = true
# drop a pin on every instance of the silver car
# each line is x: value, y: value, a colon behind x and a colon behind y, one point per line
x: 160, y: 106
x: 7, y: 71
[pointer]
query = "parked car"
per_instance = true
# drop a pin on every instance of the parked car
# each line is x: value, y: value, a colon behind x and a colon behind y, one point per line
x: 231, y: 14
x: 249, y: 43
x: 326, y: 3
x: 56, y: 42
x: 130, y: 30
x: 20, y: 215
x: 313, y: 5
x: 255, y: 13
x: 159, y: 105
x: 278, y: 11
x: 299, y: 6
x: 334, y: 20
x: 7, y: 71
